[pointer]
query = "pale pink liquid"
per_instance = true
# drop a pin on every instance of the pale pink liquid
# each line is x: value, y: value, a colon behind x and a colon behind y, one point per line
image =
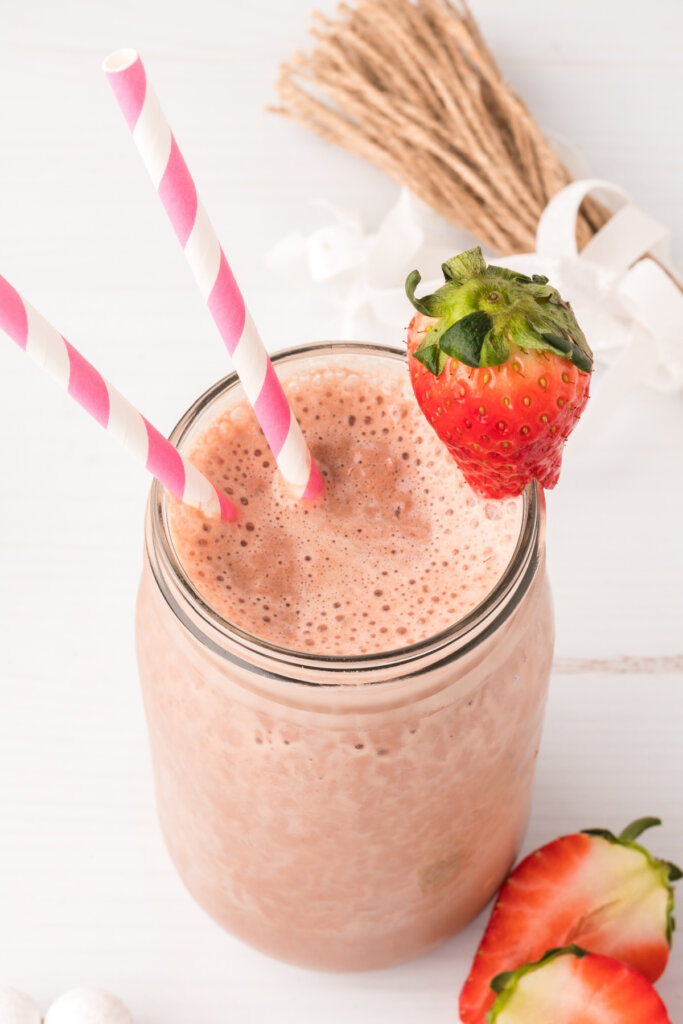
x: 348, y: 826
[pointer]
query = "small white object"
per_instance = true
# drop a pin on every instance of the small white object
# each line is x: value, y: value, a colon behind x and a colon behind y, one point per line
x: 87, y: 1006
x: 17, y: 1008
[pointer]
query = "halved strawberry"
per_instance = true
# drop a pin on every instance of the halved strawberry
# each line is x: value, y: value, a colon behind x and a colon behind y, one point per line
x: 603, y: 892
x: 571, y: 986
x: 501, y: 370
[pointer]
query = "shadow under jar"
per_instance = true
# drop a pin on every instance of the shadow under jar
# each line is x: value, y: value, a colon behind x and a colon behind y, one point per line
x: 341, y: 812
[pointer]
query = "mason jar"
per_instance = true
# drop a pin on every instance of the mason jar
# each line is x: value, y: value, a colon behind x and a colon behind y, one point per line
x: 342, y: 813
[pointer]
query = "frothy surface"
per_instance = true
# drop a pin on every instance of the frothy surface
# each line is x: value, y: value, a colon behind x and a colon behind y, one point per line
x: 400, y: 547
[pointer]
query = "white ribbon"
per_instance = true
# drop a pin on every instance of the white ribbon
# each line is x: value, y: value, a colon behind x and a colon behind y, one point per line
x: 621, y: 285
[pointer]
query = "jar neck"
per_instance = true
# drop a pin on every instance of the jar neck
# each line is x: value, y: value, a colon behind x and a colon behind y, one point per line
x: 249, y: 653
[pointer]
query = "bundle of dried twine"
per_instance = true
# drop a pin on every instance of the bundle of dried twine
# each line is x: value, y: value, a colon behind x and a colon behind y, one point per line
x: 411, y: 86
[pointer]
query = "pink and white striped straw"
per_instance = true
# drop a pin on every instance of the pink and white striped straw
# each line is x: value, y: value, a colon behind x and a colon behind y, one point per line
x: 177, y: 191
x: 53, y: 353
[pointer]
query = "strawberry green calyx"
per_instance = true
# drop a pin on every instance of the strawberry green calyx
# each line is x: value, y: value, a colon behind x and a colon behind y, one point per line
x: 484, y: 312
x: 664, y: 870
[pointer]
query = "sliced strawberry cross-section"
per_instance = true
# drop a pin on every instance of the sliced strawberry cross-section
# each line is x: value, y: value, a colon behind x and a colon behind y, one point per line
x: 571, y: 986
x: 602, y: 892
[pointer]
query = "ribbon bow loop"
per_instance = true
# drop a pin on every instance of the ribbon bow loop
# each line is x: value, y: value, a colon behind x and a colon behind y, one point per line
x: 625, y: 271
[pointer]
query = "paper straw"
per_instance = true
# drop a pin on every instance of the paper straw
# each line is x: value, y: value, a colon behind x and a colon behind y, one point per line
x: 80, y: 379
x: 189, y: 219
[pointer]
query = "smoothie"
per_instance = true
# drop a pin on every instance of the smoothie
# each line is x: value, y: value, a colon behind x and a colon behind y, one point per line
x: 399, y: 549
x: 344, y: 700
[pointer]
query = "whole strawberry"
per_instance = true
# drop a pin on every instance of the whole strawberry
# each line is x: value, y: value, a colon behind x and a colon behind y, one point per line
x: 501, y: 370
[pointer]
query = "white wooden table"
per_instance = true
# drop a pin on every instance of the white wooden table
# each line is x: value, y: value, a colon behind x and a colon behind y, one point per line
x: 87, y: 893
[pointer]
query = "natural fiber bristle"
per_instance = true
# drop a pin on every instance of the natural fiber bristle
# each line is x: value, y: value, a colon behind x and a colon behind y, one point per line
x: 411, y: 86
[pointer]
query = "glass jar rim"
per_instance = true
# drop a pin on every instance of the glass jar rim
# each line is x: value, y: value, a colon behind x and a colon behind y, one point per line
x: 230, y: 641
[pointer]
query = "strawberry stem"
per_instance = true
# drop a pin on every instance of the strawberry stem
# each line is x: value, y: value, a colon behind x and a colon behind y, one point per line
x: 636, y: 828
